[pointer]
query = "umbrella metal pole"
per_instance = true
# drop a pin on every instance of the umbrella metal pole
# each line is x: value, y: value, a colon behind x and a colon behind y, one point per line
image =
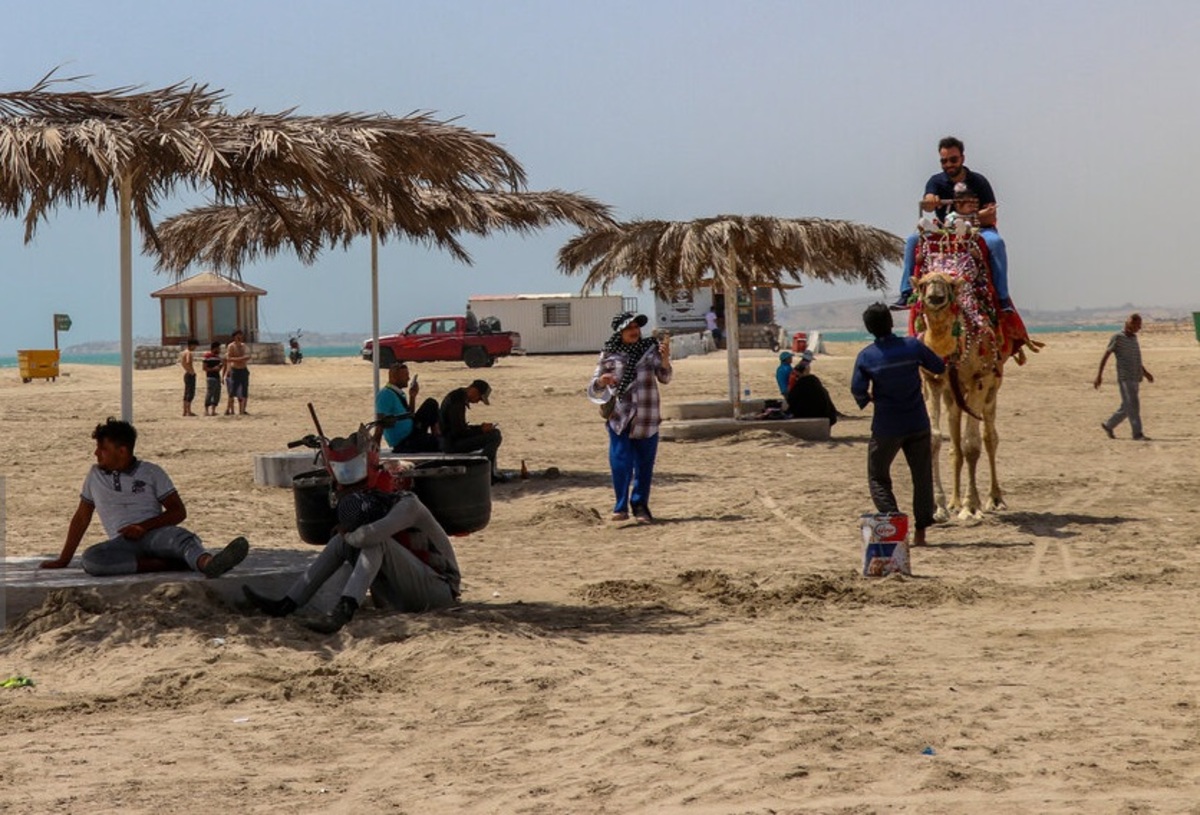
x: 125, y: 206
x: 731, y: 352
x: 375, y: 301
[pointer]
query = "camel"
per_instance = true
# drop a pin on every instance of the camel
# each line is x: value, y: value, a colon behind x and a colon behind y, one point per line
x: 961, y: 332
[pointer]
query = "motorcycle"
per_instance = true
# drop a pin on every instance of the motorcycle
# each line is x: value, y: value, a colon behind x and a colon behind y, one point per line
x: 344, y: 492
x: 294, y: 353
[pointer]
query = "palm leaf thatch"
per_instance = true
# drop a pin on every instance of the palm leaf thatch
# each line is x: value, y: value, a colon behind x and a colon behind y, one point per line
x: 69, y: 147
x: 227, y: 237
x: 736, y: 251
x: 731, y: 252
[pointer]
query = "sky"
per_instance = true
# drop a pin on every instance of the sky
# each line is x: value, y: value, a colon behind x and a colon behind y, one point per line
x: 1082, y: 113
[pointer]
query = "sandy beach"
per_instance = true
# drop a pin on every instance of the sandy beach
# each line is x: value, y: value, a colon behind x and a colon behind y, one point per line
x: 728, y: 659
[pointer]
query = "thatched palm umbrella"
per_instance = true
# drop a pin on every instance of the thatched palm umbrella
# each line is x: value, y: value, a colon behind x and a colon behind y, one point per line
x: 226, y: 237
x: 736, y: 252
x: 134, y: 146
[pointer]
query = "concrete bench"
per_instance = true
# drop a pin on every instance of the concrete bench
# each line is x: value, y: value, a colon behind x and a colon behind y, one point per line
x: 269, y: 571
x: 717, y: 409
x: 807, y: 429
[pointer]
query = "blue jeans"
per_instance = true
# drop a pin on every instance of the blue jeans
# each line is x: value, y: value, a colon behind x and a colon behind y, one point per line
x: 997, y: 257
x: 632, y: 465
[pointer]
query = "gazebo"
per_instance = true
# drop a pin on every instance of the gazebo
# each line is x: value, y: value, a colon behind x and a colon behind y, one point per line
x: 209, y: 307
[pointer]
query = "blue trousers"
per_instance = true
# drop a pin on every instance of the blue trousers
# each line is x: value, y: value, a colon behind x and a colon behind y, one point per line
x: 632, y: 465
x: 998, y: 257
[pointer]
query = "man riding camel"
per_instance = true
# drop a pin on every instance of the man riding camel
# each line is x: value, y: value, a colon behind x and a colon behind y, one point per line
x: 940, y: 188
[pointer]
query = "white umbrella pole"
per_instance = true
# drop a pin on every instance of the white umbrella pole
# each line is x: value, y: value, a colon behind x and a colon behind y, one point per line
x: 375, y: 301
x: 731, y: 350
x: 125, y: 205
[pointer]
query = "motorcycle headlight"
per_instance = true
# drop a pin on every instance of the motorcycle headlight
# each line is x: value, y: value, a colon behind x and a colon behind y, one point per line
x: 350, y: 472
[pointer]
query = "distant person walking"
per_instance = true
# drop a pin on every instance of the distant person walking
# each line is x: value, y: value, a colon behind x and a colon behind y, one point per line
x: 237, y: 359
x: 1130, y: 373
x: 887, y: 373
x: 187, y: 362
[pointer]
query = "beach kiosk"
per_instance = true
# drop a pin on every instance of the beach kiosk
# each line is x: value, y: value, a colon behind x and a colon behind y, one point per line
x: 209, y: 307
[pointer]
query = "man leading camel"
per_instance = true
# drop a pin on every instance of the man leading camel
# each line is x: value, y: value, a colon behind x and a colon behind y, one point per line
x: 888, y: 373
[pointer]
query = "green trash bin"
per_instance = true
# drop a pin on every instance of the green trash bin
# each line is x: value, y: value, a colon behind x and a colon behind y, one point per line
x: 1196, y: 322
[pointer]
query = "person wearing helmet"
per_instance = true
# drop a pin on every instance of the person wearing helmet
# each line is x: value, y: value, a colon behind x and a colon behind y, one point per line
x: 395, y: 547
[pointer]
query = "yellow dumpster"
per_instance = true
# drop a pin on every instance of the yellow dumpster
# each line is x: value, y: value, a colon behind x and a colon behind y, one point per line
x: 38, y: 364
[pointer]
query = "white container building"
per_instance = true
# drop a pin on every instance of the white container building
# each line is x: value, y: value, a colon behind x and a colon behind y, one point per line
x: 555, y: 323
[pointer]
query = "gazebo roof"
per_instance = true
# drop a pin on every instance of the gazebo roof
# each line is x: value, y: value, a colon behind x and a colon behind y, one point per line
x: 207, y: 283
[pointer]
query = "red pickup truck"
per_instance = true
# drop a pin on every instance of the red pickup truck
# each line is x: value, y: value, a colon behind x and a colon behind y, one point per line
x: 442, y: 339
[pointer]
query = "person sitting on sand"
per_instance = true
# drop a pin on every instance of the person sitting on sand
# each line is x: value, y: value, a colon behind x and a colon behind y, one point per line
x: 397, y: 549
x: 807, y: 397
x: 141, y: 512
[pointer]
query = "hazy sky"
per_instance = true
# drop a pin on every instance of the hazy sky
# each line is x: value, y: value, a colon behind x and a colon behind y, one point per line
x: 1082, y: 113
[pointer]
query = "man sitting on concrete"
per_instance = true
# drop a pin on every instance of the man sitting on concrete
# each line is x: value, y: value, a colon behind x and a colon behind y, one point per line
x: 141, y: 513
x: 460, y: 437
x: 416, y: 434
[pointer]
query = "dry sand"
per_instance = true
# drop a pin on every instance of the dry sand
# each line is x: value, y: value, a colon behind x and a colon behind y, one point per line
x: 728, y: 659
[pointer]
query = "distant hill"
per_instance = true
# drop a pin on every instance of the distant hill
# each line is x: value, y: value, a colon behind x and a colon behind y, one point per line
x: 846, y: 315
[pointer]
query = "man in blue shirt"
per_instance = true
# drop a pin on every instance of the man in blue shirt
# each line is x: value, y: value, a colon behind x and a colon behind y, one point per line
x: 887, y: 372
x: 412, y: 435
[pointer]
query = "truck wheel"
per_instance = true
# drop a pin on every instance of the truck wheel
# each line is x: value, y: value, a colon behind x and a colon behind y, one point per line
x: 476, y: 357
x: 386, y: 357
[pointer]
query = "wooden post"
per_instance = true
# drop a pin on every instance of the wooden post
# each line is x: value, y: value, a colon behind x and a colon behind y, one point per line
x: 125, y: 205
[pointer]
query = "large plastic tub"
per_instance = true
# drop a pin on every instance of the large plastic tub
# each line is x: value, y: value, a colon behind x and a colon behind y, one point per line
x: 39, y: 364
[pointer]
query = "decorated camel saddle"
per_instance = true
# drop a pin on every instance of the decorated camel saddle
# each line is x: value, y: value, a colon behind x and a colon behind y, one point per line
x: 959, y: 251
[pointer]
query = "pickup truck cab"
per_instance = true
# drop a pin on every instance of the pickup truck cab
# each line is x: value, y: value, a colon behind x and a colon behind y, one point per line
x: 444, y: 339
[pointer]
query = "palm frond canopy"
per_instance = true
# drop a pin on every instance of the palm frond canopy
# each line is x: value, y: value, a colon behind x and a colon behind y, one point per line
x: 226, y: 237
x: 736, y: 251
x: 75, y: 148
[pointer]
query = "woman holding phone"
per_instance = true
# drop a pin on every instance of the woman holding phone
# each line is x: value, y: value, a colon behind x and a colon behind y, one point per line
x: 629, y: 371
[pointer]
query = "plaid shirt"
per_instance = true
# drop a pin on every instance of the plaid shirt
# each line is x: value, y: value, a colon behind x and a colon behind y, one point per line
x: 637, y: 409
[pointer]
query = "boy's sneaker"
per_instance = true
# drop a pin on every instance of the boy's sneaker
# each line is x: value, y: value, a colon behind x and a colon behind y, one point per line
x: 233, y: 554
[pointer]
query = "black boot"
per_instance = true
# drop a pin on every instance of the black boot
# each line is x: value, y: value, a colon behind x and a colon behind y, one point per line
x: 274, y: 608
x: 332, y: 622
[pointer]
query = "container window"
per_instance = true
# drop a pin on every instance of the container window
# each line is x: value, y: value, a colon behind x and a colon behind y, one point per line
x: 556, y: 314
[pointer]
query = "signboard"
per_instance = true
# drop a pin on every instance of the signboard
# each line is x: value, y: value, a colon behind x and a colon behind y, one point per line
x: 62, y: 322
x: 685, y: 311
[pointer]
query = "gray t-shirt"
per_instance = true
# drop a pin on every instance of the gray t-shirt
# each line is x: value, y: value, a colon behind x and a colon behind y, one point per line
x: 127, y: 497
x: 1129, y: 356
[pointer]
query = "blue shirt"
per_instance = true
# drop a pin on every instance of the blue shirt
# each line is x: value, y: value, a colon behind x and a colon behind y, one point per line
x: 940, y: 185
x: 887, y: 373
x: 390, y: 402
x: 782, y: 374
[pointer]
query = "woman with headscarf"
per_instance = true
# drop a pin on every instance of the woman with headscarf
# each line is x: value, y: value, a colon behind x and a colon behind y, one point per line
x: 630, y: 368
